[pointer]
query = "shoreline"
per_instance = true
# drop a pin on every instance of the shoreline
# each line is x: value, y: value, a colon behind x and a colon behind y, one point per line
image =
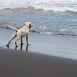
x: 16, y: 63
x: 44, y: 44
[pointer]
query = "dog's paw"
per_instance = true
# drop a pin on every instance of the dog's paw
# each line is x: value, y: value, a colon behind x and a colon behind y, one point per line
x: 22, y: 43
x: 7, y: 45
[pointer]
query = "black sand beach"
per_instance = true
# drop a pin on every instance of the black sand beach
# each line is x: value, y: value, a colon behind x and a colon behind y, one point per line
x: 27, y: 64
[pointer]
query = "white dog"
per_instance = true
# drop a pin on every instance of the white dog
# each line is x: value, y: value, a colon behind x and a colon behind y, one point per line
x: 19, y: 33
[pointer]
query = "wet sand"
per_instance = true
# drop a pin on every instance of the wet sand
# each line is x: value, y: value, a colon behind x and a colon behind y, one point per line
x: 27, y: 64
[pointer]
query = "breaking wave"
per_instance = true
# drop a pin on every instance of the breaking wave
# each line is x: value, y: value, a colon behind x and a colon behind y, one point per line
x: 50, y: 5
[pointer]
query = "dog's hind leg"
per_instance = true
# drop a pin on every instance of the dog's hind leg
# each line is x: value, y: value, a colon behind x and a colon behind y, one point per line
x: 21, y: 41
x: 13, y: 36
x: 18, y: 38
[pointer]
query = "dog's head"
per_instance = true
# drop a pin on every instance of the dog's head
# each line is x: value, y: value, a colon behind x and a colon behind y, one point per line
x: 28, y: 24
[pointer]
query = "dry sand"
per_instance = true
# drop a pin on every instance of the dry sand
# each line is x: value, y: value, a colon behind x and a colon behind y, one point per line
x: 27, y: 64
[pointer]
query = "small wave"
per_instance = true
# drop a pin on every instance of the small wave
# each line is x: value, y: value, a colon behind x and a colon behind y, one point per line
x: 69, y: 31
x: 5, y: 24
x: 47, y: 29
x: 31, y: 8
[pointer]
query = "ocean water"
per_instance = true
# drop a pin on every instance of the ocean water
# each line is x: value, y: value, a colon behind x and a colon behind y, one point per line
x: 54, y: 25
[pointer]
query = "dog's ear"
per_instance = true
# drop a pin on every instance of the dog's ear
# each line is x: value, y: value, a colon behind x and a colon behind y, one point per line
x: 30, y: 25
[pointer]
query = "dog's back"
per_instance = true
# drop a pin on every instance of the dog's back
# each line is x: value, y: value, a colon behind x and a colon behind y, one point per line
x: 23, y: 31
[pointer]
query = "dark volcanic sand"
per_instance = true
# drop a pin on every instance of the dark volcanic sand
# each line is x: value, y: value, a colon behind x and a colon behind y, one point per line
x: 27, y: 64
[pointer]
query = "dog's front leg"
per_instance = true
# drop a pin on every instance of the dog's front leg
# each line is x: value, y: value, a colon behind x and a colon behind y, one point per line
x: 27, y: 39
x: 21, y: 43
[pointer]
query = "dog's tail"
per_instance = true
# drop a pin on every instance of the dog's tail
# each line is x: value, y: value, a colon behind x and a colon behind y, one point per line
x: 12, y: 28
